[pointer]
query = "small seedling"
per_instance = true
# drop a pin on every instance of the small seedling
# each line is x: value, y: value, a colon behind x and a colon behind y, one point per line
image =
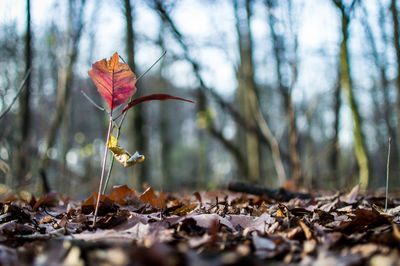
x: 115, y: 81
x: 387, y: 174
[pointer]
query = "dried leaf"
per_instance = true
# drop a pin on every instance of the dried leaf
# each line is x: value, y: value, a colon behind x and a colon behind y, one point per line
x: 45, y: 220
x: 47, y: 200
x: 106, y: 205
x: 352, y: 195
x: 306, y: 230
x: 123, y: 194
x: 186, y: 209
x: 149, y: 197
x: 121, y: 155
x: 363, y: 219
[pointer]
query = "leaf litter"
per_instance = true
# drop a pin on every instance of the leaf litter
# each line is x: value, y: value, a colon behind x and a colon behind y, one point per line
x: 203, y: 228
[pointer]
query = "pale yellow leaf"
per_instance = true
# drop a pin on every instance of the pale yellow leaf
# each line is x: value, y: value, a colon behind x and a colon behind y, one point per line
x: 121, y: 155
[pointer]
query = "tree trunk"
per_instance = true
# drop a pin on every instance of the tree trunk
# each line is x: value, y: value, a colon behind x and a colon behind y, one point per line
x: 261, y: 130
x: 247, y: 88
x: 65, y: 82
x: 335, y: 153
x: 24, y: 112
x: 382, y: 109
x: 347, y: 88
x: 286, y: 94
x: 396, y: 44
x: 138, y: 173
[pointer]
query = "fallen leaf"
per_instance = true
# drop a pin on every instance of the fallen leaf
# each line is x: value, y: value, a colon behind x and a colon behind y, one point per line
x: 350, y: 198
x: 363, y: 219
x: 123, y: 194
x: 45, y: 220
x: 47, y: 200
x: 306, y: 230
x: 106, y: 205
x: 184, y: 210
x: 148, y: 196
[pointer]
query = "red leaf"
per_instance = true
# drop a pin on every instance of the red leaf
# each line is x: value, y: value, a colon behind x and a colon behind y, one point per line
x: 114, y: 80
x: 153, y: 97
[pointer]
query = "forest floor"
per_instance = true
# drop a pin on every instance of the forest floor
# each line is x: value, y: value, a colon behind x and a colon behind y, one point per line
x: 203, y: 228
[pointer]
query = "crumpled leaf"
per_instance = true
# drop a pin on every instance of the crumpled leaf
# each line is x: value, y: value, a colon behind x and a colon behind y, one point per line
x: 121, y: 155
x: 114, y: 80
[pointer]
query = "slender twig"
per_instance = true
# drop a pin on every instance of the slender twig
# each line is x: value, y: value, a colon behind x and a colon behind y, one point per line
x: 387, y: 174
x: 102, y: 171
x: 92, y: 102
x: 155, y: 63
x: 20, y: 89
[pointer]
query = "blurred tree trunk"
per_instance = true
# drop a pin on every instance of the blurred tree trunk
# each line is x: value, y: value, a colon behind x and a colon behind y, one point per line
x: 24, y: 113
x: 261, y: 130
x: 347, y: 88
x: 139, y: 173
x: 65, y: 82
x: 286, y: 93
x: 396, y: 44
x: 382, y: 108
x: 246, y: 95
x: 335, y: 153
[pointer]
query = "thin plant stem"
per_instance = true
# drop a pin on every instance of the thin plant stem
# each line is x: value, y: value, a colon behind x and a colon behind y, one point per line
x: 111, y: 163
x: 387, y: 175
x: 102, y: 171
x: 123, y: 118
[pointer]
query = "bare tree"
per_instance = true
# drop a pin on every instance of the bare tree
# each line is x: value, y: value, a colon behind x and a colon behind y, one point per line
x: 396, y: 44
x: 346, y: 84
x: 279, y: 47
x: 65, y: 83
x: 24, y: 113
x: 261, y: 129
x: 247, y: 87
x: 382, y: 105
x: 136, y: 116
x: 335, y: 151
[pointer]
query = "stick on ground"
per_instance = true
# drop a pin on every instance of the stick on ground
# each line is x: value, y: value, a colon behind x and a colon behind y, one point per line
x: 277, y: 194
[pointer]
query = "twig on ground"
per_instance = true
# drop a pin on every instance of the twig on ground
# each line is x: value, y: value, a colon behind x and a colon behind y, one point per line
x: 277, y: 194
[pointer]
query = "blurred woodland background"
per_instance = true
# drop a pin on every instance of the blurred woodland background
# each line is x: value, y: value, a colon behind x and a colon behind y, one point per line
x: 303, y: 91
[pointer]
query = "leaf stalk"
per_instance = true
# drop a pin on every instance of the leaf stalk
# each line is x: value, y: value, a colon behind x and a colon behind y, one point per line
x: 102, y: 171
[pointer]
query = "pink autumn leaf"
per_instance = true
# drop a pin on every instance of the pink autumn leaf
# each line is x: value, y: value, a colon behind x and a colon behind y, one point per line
x: 114, y: 80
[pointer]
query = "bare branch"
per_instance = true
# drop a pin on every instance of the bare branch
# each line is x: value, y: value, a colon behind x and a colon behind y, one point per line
x: 155, y: 63
x: 20, y: 89
x: 92, y: 102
